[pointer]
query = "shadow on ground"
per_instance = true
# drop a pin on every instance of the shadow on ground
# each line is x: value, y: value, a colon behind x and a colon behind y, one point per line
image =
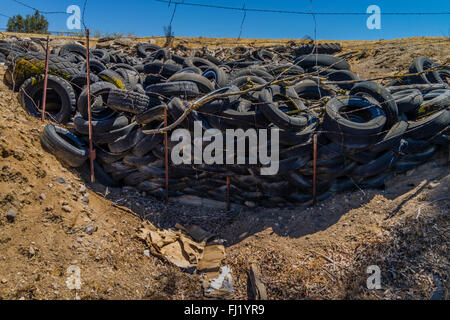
x: 235, y: 226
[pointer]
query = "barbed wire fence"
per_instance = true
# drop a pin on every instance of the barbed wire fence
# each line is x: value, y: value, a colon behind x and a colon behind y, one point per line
x: 196, y: 105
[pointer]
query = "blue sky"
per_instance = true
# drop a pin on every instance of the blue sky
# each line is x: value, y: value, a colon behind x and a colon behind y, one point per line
x: 147, y: 18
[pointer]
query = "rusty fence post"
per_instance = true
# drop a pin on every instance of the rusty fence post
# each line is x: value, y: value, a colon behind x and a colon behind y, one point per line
x: 88, y: 84
x: 315, y: 170
x: 44, y: 94
x: 166, y: 156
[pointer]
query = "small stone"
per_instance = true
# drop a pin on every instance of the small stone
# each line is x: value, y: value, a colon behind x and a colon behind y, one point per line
x: 85, y: 199
x: 66, y: 208
x: 89, y: 230
x: 49, y: 208
x: 433, y: 184
x: 42, y: 196
x: 82, y: 189
x: 31, y: 251
x: 60, y: 180
x: 79, y: 240
x: 147, y: 253
x: 4, y: 280
x: 11, y: 215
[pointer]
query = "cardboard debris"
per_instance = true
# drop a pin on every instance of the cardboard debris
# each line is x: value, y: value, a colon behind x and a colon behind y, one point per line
x: 178, y: 248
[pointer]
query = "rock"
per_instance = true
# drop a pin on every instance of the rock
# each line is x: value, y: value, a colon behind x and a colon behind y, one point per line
x: 89, y: 230
x: 42, y: 196
x: 4, y: 281
x: 66, y: 208
x: 147, y: 253
x: 11, y: 215
x: 85, y: 199
x: 60, y: 180
x: 79, y: 240
x: 49, y: 208
x: 82, y: 189
x: 433, y: 184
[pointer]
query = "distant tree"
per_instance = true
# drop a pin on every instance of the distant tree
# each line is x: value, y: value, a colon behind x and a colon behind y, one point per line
x: 35, y: 23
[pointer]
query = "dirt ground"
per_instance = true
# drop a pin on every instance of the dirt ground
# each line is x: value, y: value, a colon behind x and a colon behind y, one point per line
x: 319, y: 252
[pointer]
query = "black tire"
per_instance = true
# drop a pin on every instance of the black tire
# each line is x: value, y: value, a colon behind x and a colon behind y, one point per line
x: 99, y: 126
x: 285, y: 69
x: 255, y: 71
x: 165, y: 70
x: 322, y: 48
x: 432, y: 102
x: 132, y: 160
x: 32, y: 64
x: 144, y: 50
x: 64, y: 145
x: 428, y: 127
x: 99, y: 95
x: 422, y: 64
x: 247, y: 81
x: 373, y: 90
x: 345, y: 131
x: 73, y: 48
x: 63, y: 97
x: 152, y: 114
x: 307, y: 61
x: 198, y: 62
x: 102, y: 55
x: 392, y: 139
x: 376, y: 166
x: 113, y: 77
x: 216, y: 76
x: 408, y: 100
x: 170, y: 89
x: 147, y: 143
x: 79, y: 82
x: 95, y: 66
x: 102, y: 177
x: 310, y: 89
x: 108, y: 157
x: 203, y: 84
x: 273, y: 113
x: 112, y: 136
x: 128, y: 101
x: 342, y: 75
x: 126, y: 142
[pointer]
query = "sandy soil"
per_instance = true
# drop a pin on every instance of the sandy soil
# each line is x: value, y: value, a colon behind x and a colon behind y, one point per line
x: 307, y: 253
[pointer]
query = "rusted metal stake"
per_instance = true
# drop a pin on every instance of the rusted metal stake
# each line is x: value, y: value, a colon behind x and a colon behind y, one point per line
x: 315, y: 170
x: 166, y: 151
x: 44, y: 94
x: 228, y: 194
x: 88, y: 83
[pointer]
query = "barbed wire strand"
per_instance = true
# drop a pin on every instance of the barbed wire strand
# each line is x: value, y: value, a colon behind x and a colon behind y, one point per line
x: 297, y: 12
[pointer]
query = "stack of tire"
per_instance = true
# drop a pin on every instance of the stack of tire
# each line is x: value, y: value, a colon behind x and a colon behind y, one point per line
x: 366, y: 132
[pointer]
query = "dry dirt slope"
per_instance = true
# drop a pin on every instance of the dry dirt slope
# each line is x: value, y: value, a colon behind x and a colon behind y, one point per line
x: 321, y: 252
